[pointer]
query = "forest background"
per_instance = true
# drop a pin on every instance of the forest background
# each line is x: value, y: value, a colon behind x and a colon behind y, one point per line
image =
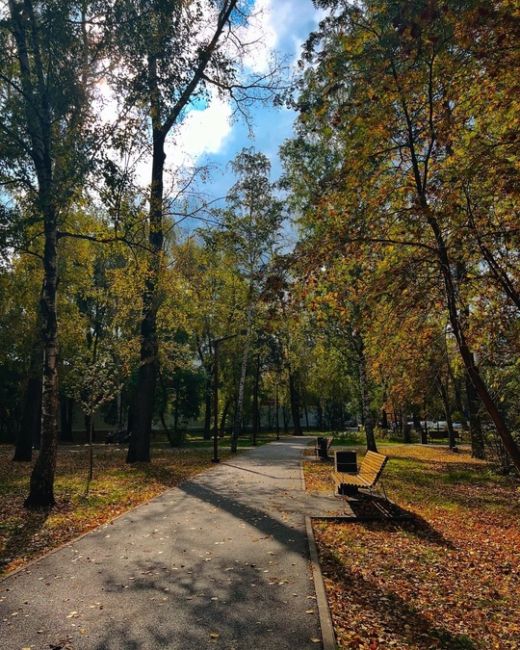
x: 399, y: 301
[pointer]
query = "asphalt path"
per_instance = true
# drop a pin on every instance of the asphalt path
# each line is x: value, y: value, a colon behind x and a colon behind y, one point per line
x: 219, y: 562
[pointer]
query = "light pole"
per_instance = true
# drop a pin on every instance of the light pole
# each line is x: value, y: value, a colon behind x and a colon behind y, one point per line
x: 216, y: 344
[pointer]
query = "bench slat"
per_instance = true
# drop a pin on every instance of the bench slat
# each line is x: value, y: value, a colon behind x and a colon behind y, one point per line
x: 350, y: 479
x: 369, y: 472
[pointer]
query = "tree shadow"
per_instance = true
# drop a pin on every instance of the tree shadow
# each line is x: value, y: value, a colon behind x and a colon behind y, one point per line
x: 192, y: 610
x: 392, y: 612
x: 381, y: 514
x: 19, y: 538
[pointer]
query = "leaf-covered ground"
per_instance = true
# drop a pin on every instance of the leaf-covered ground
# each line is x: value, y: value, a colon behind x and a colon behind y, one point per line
x: 449, y: 578
x: 117, y: 487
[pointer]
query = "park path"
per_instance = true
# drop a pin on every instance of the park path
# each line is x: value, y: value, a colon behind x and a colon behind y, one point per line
x: 219, y: 562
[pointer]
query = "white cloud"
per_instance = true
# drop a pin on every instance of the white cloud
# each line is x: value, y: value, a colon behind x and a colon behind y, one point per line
x: 204, y: 132
x: 201, y: 132
x: 261, y: 35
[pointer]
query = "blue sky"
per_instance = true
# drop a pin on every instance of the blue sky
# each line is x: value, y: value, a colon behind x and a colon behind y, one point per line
x: 283, y: 25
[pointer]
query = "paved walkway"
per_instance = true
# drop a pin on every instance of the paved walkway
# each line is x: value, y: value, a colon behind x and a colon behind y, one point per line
x: 219, y: 562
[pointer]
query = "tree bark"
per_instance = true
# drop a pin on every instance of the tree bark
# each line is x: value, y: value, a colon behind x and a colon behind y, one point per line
x: 207, y: 408
x: 407, y: 438
x: 451, y: 290
x: 319, y: 410
x: 475, y: 425
x: 41, y: 489
x: 306, y: 414
x: 365, y: 401
x: 418, y: 426
x: 294, y: 396
x: 237, y: 422
x: 443, y: 392
x: 225, y: 411
x: 30, y: 426
x: 66, y: 411
x: 277, y: 413
x: 285, y: 420
x: 256, y: 407
x: 465, y: 352
x: 139, y: 447
x: 38, y: 122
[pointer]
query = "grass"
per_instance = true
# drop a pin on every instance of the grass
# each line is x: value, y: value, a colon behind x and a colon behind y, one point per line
x: 116, y: 487
x: 244, y: 442
x: 448, y: 578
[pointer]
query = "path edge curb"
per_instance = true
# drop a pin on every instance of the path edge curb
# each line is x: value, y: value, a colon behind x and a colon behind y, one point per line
x: 327, y: 629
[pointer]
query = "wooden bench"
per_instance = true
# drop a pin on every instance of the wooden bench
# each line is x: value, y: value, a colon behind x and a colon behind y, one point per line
x: 321, y: 453
x: 369, y: 472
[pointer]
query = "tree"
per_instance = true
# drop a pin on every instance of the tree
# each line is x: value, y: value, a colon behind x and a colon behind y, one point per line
x: 46, y: 106
x: 385, y: 104
x: 171, y: 55
x: 250, y: 225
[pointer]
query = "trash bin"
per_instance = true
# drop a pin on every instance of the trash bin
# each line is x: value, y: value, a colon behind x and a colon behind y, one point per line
x: 345, y: 461
x: 322, y: 448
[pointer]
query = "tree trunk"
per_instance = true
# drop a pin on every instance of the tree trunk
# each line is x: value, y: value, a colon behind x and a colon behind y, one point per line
x: 465, y: 352
x: 285, y: 420
x: 256, y: 407
x: 225, y: 412
x: 162, y: 415
x: 443, y: 392
x: 451, y: 293
x: 456, y: 383
x: 407, y: 430
x: 277, y: 414
x: 176, y: 414
x: 475, y: 426
x: 66, y: 410
x: 295, y: 404
x: 90, y: 452
x: 418, y: 426
x: 424, y: 430
x: 237, y: 422
x: 39, y: 126
x: 306, y: 414
x: 207, y: 409
x: 319, y: 412
x: 90, y: 428
x: 41, y: 490
x: 30, y: 425
x: 365, y: 401
x: 139, y: 448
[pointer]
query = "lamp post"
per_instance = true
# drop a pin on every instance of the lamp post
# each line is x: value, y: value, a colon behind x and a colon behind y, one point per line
x: 216, y: 344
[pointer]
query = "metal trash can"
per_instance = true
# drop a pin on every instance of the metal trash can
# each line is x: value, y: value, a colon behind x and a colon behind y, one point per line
x: 345, y: 461
x: 322, y: 448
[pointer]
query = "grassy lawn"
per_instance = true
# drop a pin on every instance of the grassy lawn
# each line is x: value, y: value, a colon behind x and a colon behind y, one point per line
x: 117, y: 487
x: 450, y: 578
x: 244, y: 442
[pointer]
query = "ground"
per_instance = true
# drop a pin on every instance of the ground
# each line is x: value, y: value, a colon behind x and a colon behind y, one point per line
x: 450, y: 578
x: 219, y: 562
x: 117, y: 487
